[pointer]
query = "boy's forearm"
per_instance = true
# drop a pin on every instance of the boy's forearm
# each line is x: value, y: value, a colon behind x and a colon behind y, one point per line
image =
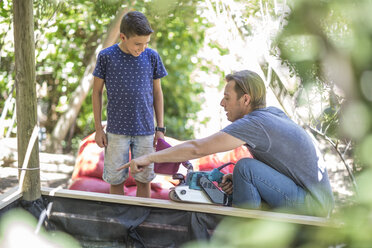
x: 159, y: 105
x: 97, y: 102
x: 159, y: 114
x: 97, y: 110
x: 192, y: 149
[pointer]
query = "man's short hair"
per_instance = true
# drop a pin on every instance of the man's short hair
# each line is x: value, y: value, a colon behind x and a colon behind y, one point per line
x: 135, y: 23
x: 249, y: 82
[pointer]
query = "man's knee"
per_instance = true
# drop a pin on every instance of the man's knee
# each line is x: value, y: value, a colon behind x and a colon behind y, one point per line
x: 243, y: 165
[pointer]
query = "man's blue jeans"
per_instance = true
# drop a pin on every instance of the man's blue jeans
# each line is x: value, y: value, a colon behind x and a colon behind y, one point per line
x: 255, y: 182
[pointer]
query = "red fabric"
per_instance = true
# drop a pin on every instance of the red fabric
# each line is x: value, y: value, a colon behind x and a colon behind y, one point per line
x: 234, y: 156
x: 89, y: 162
x: 165, y: 168
x: 160, y: 193
x: 212, y: 161
x: 237, y: 154
x: 130, y: 181
x: 208, y: 163
x: 92, y: 184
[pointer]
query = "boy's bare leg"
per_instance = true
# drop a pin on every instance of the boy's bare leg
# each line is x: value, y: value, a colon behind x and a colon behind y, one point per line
x: 143, y: 189
x: 117, y: 189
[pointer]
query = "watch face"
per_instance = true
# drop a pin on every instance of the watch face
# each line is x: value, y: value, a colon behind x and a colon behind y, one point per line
x: 160, y: 129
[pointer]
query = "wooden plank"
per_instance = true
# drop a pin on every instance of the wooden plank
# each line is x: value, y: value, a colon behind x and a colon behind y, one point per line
x: 204, y: 208
x: 9, y: 197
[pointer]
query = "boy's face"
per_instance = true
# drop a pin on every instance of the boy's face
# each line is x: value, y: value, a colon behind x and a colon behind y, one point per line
x: 134, y: 45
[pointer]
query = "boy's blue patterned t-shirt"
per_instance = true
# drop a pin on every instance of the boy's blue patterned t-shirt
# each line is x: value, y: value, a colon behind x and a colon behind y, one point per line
x: 129, y: 84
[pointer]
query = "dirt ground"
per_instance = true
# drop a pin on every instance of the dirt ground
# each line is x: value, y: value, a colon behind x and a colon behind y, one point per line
x: 7, y: 183
x: 11, y: 181
x: 55, y: 169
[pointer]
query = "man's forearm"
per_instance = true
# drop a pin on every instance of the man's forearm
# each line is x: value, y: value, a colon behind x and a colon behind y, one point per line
x: 192, y: 149
x: 180, y: 153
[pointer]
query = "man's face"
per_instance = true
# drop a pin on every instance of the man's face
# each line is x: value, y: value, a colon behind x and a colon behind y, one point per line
x: 135, y: 45
x: 235, y: 108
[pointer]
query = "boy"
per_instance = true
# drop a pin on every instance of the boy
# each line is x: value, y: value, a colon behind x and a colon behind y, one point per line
x: 131, y: 73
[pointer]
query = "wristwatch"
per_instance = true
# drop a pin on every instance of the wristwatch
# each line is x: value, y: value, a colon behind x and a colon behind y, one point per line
x: 160, y: 129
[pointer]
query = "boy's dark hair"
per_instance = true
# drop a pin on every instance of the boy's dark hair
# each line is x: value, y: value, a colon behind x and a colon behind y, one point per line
x: 135, y: 23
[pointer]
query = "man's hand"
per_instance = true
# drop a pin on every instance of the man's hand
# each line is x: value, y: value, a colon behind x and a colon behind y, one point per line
x: 227, y: 184
x: 101, y: 138
x: 136, y: 165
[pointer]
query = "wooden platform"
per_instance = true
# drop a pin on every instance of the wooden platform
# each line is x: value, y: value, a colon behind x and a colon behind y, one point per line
x: 204, y: 208
x: 9, y: 197
x: 14, y: 194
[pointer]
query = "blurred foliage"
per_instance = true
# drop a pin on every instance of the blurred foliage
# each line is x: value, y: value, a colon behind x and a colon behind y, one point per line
x: 328, y: 43
x: 17, y: 229
x: 6, y: 53
x: 67, y: 35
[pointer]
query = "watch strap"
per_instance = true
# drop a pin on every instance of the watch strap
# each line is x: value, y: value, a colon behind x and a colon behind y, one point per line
x: 160, y: 129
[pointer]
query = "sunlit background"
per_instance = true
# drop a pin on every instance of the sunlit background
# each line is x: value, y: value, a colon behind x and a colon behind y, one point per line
x: 314, y: 56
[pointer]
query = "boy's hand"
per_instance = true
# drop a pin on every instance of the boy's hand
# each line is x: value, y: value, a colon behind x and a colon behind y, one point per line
x: 158, y: 135
x: 101, y: 138
x: 136, y: 165
x: 227, y: 184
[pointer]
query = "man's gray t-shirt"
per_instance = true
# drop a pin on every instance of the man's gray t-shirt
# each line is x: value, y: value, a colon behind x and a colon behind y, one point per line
x: 277, y: 141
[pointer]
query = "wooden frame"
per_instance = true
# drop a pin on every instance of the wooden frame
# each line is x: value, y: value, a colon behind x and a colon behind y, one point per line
x: 71, y: 218
x: 14, y: 194
x: 204, y: 208
x: 10, y: 196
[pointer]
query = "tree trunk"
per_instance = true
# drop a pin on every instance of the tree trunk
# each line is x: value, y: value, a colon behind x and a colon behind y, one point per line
x: 69, y: 117
x: 24, y: 46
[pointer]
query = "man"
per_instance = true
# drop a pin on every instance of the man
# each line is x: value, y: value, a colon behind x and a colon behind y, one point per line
x: 285, y: 172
